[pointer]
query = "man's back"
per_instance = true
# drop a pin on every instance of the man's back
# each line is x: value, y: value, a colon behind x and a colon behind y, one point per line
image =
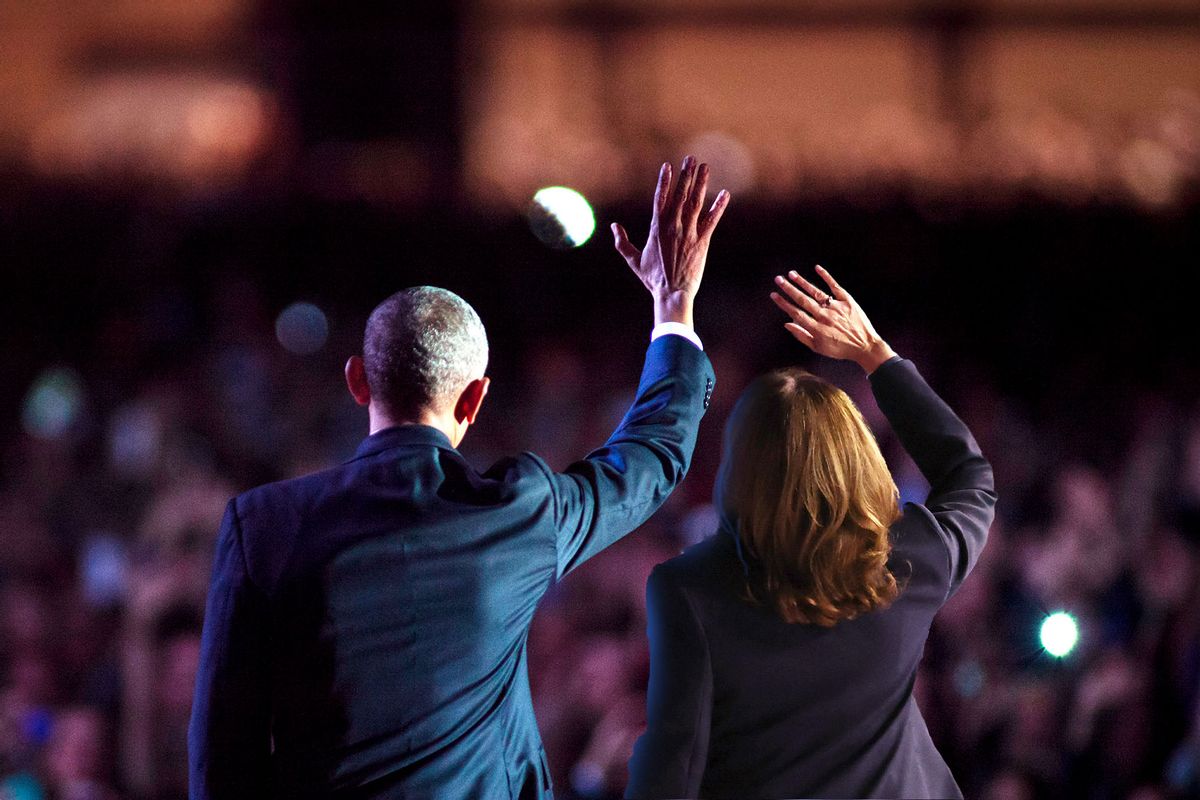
x: 366, y: 625
x: 402, y: 608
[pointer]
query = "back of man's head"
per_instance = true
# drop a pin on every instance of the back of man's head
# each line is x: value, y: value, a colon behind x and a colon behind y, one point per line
x: 421, y: 348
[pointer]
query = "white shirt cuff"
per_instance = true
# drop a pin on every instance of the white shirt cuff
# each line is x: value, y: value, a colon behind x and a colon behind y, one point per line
x: 678, y: 329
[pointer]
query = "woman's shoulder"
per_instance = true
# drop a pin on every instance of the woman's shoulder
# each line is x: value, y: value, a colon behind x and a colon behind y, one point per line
x: 707, y: 563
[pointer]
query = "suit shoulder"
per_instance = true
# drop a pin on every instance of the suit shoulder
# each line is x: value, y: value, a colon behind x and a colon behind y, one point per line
x: 271, y: 515
x: 281, y: 494
x: 702, y: 564
x: 523, y: 465
x: 277, y: 507
x: 525, y: 471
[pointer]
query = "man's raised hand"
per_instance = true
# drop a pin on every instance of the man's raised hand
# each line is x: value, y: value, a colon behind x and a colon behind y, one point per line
x: 671, y: 264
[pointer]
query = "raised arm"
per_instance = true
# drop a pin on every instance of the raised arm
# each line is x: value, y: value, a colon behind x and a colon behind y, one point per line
x: 616, y: 488
x: 962, y: 494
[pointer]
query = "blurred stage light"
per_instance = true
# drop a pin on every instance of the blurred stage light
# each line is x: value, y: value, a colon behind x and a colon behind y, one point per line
x: 969, y: 678
x: 730, y: 162
x: 1059, y: 634
x: 1152, y: 172
x: 103, y: 569
x: 53, y: 403
x: 189, y: 127
x: 135, y: 439
x: 561, y: 217
x: 302, y: 328
x: 587, y: 779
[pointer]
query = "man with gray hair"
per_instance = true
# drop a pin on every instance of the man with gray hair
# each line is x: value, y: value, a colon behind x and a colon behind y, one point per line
x: 421, y: 348
x: 366, y: 625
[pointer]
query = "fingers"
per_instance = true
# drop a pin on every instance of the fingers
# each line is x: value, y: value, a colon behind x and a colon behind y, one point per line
x: 834, y: 286
x: 813, y: 291
x: 709, y: 223
x: 797, y: 315
x: 683, y: 187
x: 802, y: 326
x: 662, y: 190
x: 685, y: 201
x: 786, y: 307
x: 695, y: 197
x: 799, y: 298
x: 802, y: 335
x: 625, y: 247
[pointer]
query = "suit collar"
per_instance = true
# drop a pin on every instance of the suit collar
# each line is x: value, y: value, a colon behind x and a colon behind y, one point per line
x: 401, y: 436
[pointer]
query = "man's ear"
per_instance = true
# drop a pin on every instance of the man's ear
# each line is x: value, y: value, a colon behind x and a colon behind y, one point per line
x: 356, y: 380
x: 467, y: 407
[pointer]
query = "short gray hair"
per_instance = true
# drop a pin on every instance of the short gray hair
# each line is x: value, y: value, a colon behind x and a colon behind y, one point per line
x: 422, y: 346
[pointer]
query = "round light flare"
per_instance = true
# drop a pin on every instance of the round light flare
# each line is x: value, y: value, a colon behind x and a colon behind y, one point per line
x: 302, y: 329
x: 561, y: 217
x: 53, y: 404
x: 1059, y: 634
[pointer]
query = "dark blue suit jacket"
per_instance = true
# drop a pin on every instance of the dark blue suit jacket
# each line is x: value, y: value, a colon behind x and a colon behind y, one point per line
x: 742, y: 704
x: 366, y: 625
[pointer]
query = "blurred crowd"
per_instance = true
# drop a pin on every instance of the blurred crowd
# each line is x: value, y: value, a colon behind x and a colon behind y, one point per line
x: 114, y: 481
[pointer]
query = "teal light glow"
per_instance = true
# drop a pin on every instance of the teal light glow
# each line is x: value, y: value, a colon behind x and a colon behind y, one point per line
x: 1059, y: 634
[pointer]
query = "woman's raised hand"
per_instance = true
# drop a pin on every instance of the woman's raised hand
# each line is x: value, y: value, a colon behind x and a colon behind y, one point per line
x: 830, y: 323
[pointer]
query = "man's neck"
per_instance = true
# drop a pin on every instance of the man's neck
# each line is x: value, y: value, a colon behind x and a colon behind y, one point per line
x: 381, y: 420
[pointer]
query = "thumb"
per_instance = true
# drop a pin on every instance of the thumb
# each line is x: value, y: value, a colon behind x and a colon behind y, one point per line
x: 625, y: 247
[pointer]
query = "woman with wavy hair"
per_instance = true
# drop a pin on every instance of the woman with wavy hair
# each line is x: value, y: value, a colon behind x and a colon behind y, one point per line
x: 783, y: 650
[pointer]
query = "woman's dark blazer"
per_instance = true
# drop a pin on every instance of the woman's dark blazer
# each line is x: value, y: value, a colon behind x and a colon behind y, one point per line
x: 742, y: 704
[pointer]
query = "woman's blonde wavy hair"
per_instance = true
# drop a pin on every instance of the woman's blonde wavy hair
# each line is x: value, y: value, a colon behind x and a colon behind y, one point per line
x: 804, y: 486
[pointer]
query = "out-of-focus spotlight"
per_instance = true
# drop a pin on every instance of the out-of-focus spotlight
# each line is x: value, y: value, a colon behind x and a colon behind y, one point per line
x: 587, y: 779
x: 191, y: 128
x: 1152, y: 172
x: 1059, y: 634
x: 969, y: 678
x: 730, y: 162
x: 302, y: 328
x: 561, y: 218
x: 53, y: 403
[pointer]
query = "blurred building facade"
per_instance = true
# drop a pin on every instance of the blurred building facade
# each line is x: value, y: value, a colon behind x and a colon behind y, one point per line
x: 483, y: 102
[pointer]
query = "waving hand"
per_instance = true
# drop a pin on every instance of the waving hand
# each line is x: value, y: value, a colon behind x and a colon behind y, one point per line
x: 671, y: 264
x: 830, y: 323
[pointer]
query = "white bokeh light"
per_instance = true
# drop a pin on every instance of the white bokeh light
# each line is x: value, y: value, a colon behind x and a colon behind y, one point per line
x: 570, y: 210
x: 1059, y: 634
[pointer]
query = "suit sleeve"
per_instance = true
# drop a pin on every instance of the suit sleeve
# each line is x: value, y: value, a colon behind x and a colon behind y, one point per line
x: 617, y: 487
x: 670, y: 757
x: 962, y: 495
x: 229, y: 737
